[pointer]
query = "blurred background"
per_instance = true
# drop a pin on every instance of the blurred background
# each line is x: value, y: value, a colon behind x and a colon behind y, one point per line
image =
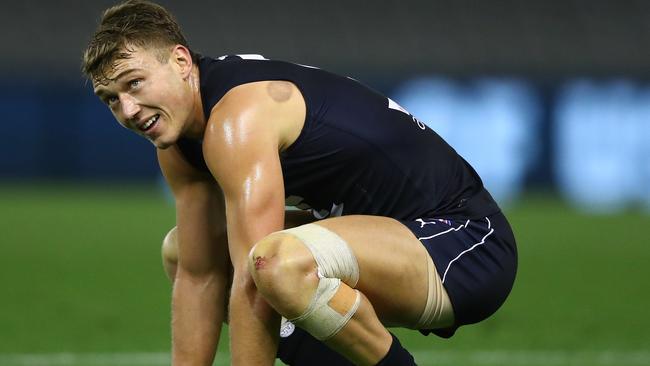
x: 548, y: 100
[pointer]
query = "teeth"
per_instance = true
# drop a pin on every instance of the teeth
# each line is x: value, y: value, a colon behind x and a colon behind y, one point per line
x: 150, y: 122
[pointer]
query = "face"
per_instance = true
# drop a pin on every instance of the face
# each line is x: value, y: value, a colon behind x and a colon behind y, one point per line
x: 153, y: 99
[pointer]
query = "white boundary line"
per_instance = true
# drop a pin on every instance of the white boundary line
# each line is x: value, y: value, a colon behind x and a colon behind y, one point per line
x: 424, y: 358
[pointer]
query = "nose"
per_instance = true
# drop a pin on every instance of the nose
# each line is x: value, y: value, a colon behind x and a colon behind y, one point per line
x: 129, y: 106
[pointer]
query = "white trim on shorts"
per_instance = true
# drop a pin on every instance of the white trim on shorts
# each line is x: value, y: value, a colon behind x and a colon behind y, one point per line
x: 444, y: 276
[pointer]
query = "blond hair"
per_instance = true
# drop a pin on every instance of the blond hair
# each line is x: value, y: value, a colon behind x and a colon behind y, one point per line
x: 133, y: 23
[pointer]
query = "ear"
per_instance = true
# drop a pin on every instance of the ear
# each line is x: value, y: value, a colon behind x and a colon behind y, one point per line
x: 182, y: 58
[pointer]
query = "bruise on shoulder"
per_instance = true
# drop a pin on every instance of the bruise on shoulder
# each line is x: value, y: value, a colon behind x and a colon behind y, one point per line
x: 279, y: 90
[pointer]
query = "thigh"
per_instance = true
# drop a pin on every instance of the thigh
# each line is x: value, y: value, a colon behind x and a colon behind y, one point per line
x: 476, y: 260
x: 392, y: 265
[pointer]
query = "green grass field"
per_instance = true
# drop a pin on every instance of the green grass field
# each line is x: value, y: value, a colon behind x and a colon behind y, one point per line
x: 82, y: 284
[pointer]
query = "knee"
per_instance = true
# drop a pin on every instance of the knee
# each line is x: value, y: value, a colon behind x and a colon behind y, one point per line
x: 169, y: 252
x: 282, y: 267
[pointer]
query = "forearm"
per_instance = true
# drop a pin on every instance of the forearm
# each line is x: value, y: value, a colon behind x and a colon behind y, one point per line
x: 197, y: 315
x: 254, y: 326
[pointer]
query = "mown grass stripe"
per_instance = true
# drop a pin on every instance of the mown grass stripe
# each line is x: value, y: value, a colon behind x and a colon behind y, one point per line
x: 424, y: 358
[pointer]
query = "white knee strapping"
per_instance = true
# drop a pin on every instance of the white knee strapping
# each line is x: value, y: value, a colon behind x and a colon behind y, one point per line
x: 336, y: 263
x: 319, y: 319
x: 333, y: 255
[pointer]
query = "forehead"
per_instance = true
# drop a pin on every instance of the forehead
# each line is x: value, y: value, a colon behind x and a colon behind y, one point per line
x: 139, y: 59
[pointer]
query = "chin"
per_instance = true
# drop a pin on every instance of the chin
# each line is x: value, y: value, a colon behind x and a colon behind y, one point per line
x: 163, y: 142
x: 161, y: 146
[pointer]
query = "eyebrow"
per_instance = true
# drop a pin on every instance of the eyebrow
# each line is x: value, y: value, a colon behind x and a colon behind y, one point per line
x: 101, y: 92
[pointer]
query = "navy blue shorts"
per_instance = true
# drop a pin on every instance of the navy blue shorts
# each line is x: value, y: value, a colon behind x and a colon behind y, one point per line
x: 476, y: 260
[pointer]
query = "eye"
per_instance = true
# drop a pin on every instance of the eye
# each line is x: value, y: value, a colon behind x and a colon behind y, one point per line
x: 135, y: 83
x: 111, y: 100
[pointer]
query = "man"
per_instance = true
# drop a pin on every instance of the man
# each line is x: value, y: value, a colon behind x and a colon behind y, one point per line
x: 407, y: 235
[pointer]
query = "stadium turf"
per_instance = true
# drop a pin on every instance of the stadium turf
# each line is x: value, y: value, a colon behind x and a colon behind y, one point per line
x: 82, y: 284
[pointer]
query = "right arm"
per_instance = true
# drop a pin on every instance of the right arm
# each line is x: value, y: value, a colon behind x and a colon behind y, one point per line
x: 200, y: 284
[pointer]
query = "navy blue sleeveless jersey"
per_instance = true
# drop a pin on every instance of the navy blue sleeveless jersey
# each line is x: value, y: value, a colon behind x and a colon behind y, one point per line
x: 358, y: 152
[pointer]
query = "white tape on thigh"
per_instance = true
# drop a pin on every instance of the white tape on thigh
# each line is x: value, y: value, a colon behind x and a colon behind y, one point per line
x: 336, y: 263
x: 438, y: 312
x: 333, y: 255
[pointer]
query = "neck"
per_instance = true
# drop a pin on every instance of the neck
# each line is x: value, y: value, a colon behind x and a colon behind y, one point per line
x: 196, y: 125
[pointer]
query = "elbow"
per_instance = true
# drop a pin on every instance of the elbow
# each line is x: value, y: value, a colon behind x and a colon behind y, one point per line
x: 202, y: 274
x: 204, y: 267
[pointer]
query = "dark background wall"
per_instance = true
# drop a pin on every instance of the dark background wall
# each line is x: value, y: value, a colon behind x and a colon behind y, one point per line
x: 533, y: 37
x: 54, y: 128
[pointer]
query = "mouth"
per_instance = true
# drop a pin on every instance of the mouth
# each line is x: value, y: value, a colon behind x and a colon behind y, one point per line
x: 149, y: 124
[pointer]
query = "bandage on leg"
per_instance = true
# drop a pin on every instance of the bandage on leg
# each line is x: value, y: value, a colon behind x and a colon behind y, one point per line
x: 438, y: 312
x: 327, y: 313
x: 332, y: 304
x: 332, y: 254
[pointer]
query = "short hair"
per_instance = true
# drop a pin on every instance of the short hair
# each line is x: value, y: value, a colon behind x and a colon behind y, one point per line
x: 132, y: 23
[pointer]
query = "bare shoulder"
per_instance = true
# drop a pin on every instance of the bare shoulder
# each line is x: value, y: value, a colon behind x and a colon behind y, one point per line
x: 272, y: 110
x: 264, y: 93
x: 247, y: 129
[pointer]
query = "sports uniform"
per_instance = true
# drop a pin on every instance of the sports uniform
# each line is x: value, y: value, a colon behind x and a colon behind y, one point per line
x: 361, y: 153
